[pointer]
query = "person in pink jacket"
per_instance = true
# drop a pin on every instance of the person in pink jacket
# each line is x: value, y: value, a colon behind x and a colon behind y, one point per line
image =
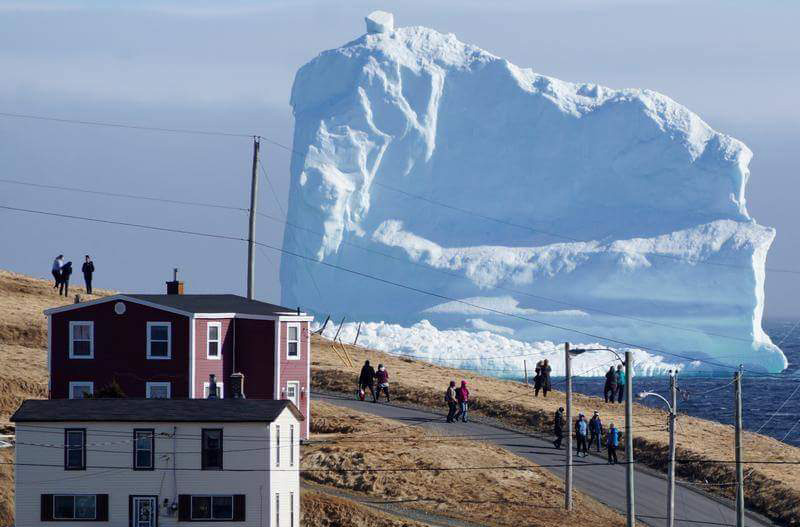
x: 462, y: 396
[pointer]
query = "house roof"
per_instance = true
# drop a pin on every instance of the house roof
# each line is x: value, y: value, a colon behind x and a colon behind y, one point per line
x: 215, y: 304
x: 153, y: 410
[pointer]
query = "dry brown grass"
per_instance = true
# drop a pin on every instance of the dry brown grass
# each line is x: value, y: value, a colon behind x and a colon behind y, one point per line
x: 508, y: 497
x: 773, y: 490
x: 323, y: 510
x: 6, y: 486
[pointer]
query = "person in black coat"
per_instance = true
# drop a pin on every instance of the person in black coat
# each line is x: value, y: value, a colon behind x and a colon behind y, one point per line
x: 63, y: 286
x: 537, y: 379
x: 558, y: 427
x: 367, y: 379
x: 545, y: 375
x: 88, y: 270
x: 610, y: 388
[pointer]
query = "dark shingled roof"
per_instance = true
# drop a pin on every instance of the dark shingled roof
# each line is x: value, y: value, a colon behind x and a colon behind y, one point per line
x: 158, y: 410
x: 215, y: 304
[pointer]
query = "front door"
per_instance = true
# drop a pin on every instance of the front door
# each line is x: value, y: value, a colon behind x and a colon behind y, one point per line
x: 144, y: 511
x: 292, y: 389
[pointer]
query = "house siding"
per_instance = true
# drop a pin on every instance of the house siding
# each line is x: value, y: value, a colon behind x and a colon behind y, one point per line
x: 255, y: 348
x: 204, y: 366
x: 120, y: 353
x: 296, y: 370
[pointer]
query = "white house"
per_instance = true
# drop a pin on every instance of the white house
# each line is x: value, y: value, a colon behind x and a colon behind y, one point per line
x: 157, y: 462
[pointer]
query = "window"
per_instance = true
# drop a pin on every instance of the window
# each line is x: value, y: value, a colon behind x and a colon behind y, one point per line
x: 75, y: 449
x: 291, y: 445
x: 74, y: 507
x: 81, y: 340
x: 293, y: 341
x: 291, y: 509
x: 80, y: 389
x: 158, y: 390
x: 212, y: 449
x: 220, y: 390
x: 277, y: 445
x: 211, y: 508
x: 213, y: 342
x: 143, y: 448
x: 159, y: 345
x: 277, y: 509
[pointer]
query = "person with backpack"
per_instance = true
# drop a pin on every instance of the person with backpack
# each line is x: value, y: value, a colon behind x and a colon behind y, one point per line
x: 452, y: 404
x: 383, y: 382
x: 620, y: 375
x: 462, y: 396
x: 88, y: 271
x: 612, y: 442
x: 545, y: 375
x: 63, y: 286
x: 581, y: 431
x: 58, y: 263
x: 366, y: 380
x: 610, y: 388
x: 595, y: 430
x: 558, y: 428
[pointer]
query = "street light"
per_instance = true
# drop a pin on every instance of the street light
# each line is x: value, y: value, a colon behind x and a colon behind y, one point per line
x: 673, y: 411
x: 568, y: 353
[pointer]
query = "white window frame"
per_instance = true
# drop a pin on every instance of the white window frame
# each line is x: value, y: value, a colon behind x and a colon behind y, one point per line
x: 76, y: 384
x: 217, y: 325
x: 168, y: 325
x: 72, y: 325
x: 158, y: 384
x: 277, y: 445
x: 220, y: 385
x: 299, y: 339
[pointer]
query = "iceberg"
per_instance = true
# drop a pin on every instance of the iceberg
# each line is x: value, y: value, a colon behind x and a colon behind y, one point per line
x: 495, y: 200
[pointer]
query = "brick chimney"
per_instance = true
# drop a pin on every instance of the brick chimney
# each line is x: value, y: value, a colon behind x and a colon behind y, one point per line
x: 175, y: 287
x: 237, y: 385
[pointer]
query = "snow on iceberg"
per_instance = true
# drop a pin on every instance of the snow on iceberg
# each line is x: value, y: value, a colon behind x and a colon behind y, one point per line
x: 437, y: 165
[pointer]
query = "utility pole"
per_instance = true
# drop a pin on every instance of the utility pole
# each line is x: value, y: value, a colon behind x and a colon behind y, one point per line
x: 251, y: 237
x: 739, y: 468
x: 568, y: 478
x: 673, y: 415
x: 629, y: 437
x: 525, y: 366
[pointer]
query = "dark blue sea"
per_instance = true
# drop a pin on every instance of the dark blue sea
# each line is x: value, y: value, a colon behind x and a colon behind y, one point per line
x: 762, y: 396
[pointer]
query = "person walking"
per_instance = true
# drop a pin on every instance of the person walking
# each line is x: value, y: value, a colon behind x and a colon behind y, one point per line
x: 612, y: 442
x: 366, y: 380
x: 383, y: 382
x: 581, y: 431
x: 452, y: 403
x: 537, y: 379
x: 58, y: 263
x: 462, y: 396
x: 545, y: 374
x: 620, y: 375
x: 66, y: 271
x: 595, y: 430
x: 558, y: 428
x: 610, y: 388
x: 88, y: 271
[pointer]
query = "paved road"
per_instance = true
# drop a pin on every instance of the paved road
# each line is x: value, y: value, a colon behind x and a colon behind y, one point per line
x: 604, y: 482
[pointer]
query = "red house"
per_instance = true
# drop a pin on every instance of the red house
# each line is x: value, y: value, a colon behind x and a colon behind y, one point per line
x: 168, y: 346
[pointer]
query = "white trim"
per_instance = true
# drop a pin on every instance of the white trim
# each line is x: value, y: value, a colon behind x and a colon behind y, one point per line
x: 302, y: 318
x: 169, y: 340
x: 49, y: 355
x: 277, y: 353
x: 217, y: 325
x: 299, y: 327
x: 75, y: 384
x: 126, y: 298
x: 72, y: 324
x: 191, y: 357
x: 220, y: 385
x: 214, y: 315
x: 154, y: 384
x: 307, y: 413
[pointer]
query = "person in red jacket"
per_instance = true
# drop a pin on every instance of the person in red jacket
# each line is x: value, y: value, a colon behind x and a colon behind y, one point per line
x: 382, y: 377
x: 462, y: 396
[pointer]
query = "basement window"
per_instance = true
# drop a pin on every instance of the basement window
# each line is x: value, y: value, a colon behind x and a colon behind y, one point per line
x: 159, y: 340
x: 81, y: 340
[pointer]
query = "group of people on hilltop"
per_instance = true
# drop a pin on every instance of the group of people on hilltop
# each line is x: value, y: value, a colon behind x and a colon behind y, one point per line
x: 614, y: 388
x: 587, y: 434
x: 367, y: 379
x: 541, y: 378
x: 62, y: 272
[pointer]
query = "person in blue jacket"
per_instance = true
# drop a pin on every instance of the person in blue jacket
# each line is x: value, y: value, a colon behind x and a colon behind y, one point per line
x: 581, y: 432
x: 612, y: 442
x: 620, y: 383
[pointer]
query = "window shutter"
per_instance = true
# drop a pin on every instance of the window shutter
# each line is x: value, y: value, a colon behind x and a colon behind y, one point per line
x: 47, y: 507
x: 102, y: 507
x: 184, y: 507
x: 239, y: 507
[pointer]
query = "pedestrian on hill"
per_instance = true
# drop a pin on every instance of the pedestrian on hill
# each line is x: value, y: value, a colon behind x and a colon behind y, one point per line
x: 452, y: 403
x: 58, y: 263
x: 545, y: 374
x: 66, y: 272
x: 610, y: 388
x: 366, y: 380
x: 383, y: 382
x: 462, y: 396
x: 620, y: 375
x: 558, y: 428
x: 595, y: 430
x: 612, y: 442
x: 581, y: 431
x: 88, y: 271
x: 537, y: 379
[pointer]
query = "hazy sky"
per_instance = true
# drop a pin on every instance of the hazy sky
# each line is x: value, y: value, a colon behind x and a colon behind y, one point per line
x: 230, y: 65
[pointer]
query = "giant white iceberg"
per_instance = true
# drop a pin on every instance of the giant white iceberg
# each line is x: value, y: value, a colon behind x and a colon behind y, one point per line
x: 551, y: 210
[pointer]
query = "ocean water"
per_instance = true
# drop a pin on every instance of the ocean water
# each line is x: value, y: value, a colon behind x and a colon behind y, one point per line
x: 762, y: 396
